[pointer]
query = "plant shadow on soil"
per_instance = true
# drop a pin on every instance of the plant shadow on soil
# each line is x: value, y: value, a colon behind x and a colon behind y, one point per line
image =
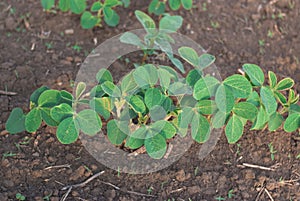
x: 242, y: 24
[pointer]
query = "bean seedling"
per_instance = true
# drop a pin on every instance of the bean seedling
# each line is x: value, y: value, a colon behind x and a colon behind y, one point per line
x: 153, y: 103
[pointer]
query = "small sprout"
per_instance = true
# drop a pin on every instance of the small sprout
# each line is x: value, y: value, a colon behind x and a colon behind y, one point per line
x: 298, y: 157
x: 49, y: 45
x: 12, y: 11
x: 8, y: 154
x: 77, y: 48
x: 219, y: 198
x: 149, y: 190
x: 204, y: 6
x: 215, y: 24
x: 261, y: 43
x: 20, y: 197
x: 270, y: 34
x: 196, y: 171
x: 47, y: 197
x: 272, y: 151
x: 230, y: 194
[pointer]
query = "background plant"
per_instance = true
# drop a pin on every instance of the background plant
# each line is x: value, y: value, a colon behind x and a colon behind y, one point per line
x: 156, y: 37
x: 92, y: 17
x: 158, y: 7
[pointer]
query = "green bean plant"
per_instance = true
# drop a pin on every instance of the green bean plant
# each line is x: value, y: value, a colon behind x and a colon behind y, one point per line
x: 154, y: 103
x: 93, y: 17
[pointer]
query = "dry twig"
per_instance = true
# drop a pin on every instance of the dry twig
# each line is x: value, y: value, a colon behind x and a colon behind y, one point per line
x: 8, y: 93
x: 126, y: 191
x: 83, y: 183
x: 58, y: 166
x: 258, y: 167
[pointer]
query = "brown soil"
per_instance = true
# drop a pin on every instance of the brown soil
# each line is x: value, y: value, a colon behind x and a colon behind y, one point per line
x: 231, y: 30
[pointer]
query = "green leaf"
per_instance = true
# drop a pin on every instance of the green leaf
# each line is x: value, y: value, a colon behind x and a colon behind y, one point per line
x: 189, y: 55
x: 153, y: 97
x: 102, y: 106
x: 184, y: 120
x: 178, y: 64
x: 16, y: 121
x: 36, y: 94
x: 219, y: 119
x: 239, y: 85
x: 280, y: 97
x: 292, y: 123
x: 164, y: 78
x: 255, y: 74
x: 64, y: 5
x: 193, y: 76
x: 164, y: 128
x: 104, y: 75
x: 134, y: 143
x: 294, y: 108
x: 33, y: 120
x: 157, y: 7
x: 224, y: 99
x: 111, y: 18
x: 46, y: 117
x: 205, y: 60
x: 128, y: 85
x: 145, y: 75
x: 200, y: 128
x: 112, y: 3
x: 137, y: 104
x: 268, y: 99
x: 170, y: 24
x: 171, y: 71
x: 157, y: 113
x: 187, y: 4
x: 174, y: 4
x: 47, y: 4
x: 234, y: 129
x: 137, y: 138
x: 81, y: 86
x: 156, y: 146
x: 245, y: 110
x: 205, y: 87
x: 272, y: 79
x: 254, y: 99
x: 88, y: 20
x: 167, y: 104
x: 77, y: 6
x: 275, y: 121
x: 114, y: 133
x: 61, y: 112
x: 261, y: 120
x: 96, y: 6
x: 49, y: 98
x: 179, y: 88
x: 96, y: 92
x: 207, y: 107
x: 285, y: 84
x: 131, y: 38
x: 187, y: 101
x: 111, y: 89
x: 66, y: 97
x: 88, y: 121
x: 146, y: 21
x: 67, y: 132
x: 126, y: 3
